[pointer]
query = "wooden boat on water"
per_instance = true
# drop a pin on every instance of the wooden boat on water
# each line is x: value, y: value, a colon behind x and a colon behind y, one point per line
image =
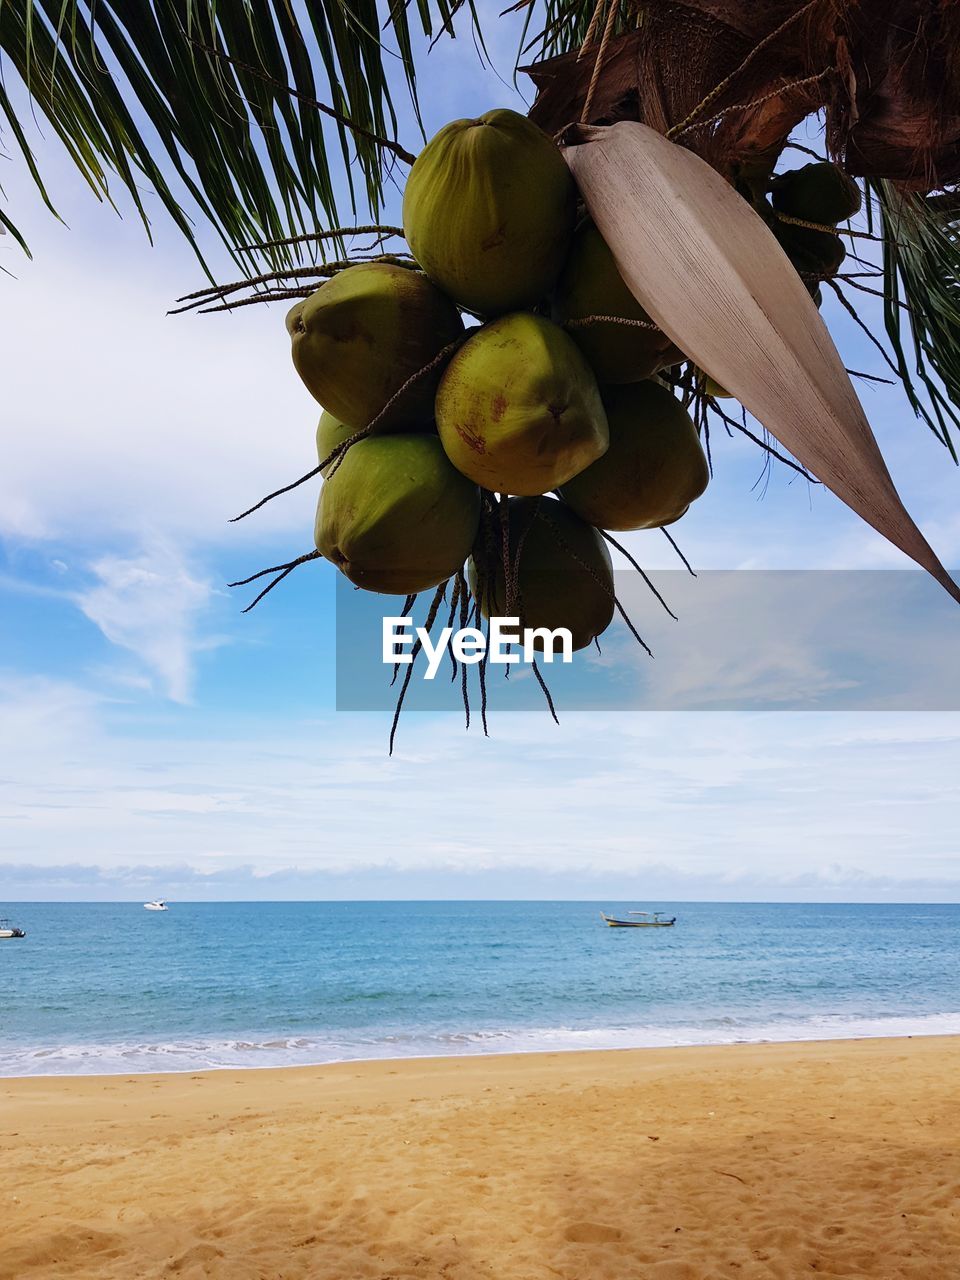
x: 646, y: 920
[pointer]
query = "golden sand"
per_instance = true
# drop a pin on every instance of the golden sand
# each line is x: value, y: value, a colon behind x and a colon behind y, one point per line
x: 831, y: 1159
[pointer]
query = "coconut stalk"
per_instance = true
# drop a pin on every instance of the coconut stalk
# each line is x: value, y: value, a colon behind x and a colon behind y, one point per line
x: 706, y: 268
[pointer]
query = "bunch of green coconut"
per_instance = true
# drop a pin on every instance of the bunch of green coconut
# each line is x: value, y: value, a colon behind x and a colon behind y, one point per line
x: 502, y: 399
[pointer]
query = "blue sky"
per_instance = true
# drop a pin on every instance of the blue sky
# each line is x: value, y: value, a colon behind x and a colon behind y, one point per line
x: 154, y: 740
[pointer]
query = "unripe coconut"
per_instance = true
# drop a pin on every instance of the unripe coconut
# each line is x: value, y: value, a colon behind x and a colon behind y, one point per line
x: 654, y: 468
x: 330, y: 434
x: 565, y: 576
x: 519, y: 410
x: 488, y: 211
x: 395, y: 516
x: 591, y: 285
x: 819, y: 192
x: 813, y: 253
x: 360, y: 336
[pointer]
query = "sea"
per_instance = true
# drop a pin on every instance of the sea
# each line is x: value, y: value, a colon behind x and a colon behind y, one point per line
x: 112, y: 988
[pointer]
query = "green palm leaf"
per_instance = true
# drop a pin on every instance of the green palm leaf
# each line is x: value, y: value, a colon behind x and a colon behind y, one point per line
x: 248, y: 115
x: 922, y: 308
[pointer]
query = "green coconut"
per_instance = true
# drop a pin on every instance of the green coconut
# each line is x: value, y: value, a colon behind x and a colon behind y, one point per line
x: 813, y: 253
x: 564, y: 578
x: 819, y: 192
x: 653, y: 469
x: 591, y: 285
x: 518, y: 409
x: 488, y: 211
x: 330, y: 434
x: 395, y: 516
x: 360, y: 336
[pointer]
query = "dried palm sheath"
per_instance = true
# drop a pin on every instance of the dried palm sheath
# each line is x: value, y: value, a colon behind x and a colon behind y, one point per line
x: 711, y: 274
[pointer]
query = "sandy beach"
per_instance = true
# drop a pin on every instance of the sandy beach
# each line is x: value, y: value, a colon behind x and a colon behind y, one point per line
x: 838, y: 1159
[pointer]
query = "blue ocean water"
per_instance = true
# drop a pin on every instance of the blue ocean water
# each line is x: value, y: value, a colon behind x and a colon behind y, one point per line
x: 112, y: 988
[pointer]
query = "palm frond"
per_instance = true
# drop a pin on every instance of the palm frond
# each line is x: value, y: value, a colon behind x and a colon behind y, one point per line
x: 921, y: 260
x: 215, y: 106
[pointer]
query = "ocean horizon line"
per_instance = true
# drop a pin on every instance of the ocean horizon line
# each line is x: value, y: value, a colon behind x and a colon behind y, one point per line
x: 597, y: 901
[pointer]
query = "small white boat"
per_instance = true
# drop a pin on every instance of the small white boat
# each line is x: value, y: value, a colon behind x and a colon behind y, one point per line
x: 8, y: 930
x: 648, y: 920
x: 158, y: 904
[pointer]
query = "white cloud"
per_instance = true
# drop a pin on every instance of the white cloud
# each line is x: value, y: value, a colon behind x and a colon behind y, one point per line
x: 124, y: 419
x: 813, y: 640
x: 38, y: 712
x: 745, y: 800
x: 151, y: 605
